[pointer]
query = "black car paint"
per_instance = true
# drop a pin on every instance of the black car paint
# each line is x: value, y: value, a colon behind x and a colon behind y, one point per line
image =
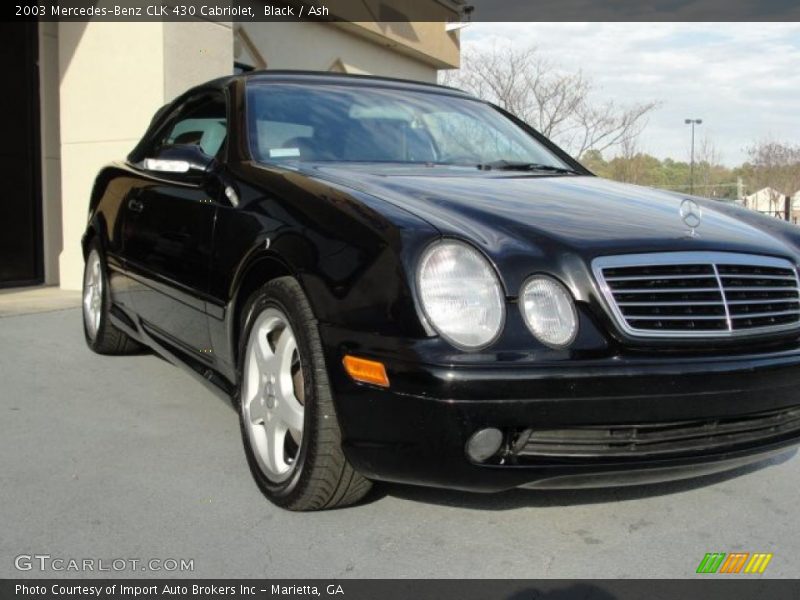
x: 183, y: 258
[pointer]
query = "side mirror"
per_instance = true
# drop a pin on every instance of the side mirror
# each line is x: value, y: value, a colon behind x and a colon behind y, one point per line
x: 181, y: 158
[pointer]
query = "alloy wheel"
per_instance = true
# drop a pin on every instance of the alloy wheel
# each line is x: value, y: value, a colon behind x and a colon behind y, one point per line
x: 273, y: 395
x: 93, y: 294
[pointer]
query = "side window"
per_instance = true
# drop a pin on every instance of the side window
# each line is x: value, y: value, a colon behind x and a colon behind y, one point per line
x: 202, y: 123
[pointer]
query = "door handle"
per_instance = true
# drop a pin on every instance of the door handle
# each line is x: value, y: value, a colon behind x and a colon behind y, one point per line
x: 136, y: 205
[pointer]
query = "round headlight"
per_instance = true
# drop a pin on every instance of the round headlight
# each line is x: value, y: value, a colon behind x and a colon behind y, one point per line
x: 460, y: 294
x: 549, y: 311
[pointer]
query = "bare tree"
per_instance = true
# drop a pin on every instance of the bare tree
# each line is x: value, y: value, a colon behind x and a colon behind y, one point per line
x: 627, y: 167
x: 559, y: 104
x: 708, y: 159
x: 775, y: 165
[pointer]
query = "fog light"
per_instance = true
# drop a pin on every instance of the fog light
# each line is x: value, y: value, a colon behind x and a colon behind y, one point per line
x: 484, y: 444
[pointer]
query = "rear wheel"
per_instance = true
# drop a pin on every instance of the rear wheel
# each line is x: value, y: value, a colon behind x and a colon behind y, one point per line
x: 289, y: 426
x: 101, y: 335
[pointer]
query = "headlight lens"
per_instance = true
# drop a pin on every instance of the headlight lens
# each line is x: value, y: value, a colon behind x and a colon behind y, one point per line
x: 549, y: 311
x: 460, y: 294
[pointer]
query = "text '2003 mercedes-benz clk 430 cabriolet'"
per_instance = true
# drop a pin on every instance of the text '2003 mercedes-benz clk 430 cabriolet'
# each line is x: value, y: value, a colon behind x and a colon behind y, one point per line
x: 397, y: 281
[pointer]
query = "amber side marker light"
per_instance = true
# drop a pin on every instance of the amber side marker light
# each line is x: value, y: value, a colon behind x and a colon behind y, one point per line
x: 366, y: 371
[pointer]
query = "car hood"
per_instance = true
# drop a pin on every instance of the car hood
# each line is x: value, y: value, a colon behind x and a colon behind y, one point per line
x: 511, y: 213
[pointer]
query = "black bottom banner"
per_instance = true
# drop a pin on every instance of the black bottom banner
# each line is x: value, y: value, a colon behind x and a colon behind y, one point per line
x: 399, y: 589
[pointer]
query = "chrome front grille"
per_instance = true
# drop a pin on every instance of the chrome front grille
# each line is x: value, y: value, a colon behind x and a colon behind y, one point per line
x: 699, y: 294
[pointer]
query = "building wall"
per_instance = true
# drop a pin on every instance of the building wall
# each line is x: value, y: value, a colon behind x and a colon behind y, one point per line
x: 112, y: 79
x: 427, y: 41
x: 318, y: 47
x: 771, y: 202
x: 194, y: 53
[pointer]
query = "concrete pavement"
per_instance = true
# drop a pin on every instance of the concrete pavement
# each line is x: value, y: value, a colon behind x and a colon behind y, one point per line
x: 40, y: 298
x: 128, y: 457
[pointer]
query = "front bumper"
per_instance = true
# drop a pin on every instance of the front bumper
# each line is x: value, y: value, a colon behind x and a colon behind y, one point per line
x: 416, y: 431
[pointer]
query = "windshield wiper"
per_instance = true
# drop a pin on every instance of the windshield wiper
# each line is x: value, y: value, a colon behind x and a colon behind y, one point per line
x: 511, y: 165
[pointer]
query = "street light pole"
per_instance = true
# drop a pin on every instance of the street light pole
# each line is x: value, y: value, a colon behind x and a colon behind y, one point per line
x: 692, y: 122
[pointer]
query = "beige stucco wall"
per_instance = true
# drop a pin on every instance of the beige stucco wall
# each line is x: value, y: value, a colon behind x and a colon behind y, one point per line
x: 317, y: 46
x: 390, y: 24
x: 113, y: 77
x: 194, y: 53
x: 427, y: 41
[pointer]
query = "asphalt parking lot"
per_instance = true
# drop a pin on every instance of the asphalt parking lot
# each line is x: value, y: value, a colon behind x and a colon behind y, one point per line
x: 108, y: 457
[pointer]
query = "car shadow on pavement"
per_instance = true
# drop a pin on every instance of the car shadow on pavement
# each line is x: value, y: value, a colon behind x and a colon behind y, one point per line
x: 520, y: 498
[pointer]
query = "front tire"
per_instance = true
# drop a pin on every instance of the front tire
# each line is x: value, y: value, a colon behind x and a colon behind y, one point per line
x: 289, y: 426
x: 101, y: 335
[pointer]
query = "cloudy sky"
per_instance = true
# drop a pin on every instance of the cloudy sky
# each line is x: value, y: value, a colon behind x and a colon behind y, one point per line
x: 742, y: 79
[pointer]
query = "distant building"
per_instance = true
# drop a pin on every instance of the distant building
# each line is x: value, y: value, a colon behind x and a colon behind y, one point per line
x: 769, y: 201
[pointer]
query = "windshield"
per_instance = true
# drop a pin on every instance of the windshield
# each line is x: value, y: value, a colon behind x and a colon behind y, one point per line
x: 344, y: 123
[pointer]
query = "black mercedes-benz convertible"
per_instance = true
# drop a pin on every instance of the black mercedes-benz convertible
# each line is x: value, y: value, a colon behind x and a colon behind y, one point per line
x: 397, y: 281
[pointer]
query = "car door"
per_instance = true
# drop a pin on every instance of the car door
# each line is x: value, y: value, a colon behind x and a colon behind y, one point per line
x: 169, y: 229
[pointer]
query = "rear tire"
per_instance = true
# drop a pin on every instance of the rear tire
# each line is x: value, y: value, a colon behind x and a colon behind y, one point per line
x: 289, y: 425
x: 101, y: 335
